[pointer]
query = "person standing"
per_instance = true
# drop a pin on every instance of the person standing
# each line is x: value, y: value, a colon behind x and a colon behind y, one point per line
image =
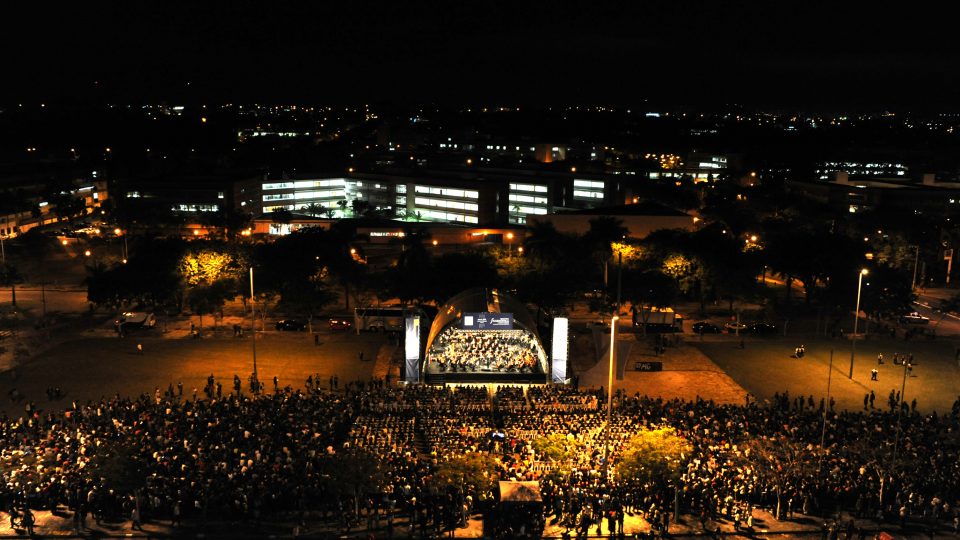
x: 135, y: 518
x: 873, y: 374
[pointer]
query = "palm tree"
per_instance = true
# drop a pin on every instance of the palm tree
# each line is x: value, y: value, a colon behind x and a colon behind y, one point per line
x: 545, y: 243
x: 314, y: 209
x: 604, y: 231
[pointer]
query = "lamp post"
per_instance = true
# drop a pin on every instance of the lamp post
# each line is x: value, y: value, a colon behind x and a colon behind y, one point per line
x: 123, y: 249
x: 253, y: 329
x: 613, y: 343
x: 903, y: 398
x: 856, y: 319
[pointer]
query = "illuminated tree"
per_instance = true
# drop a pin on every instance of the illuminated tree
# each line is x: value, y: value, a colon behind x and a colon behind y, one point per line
x: 206, y: 266
x: 564, y: 451
x: 654, y: 456
x: 475, y: 470
x: 679, y: 267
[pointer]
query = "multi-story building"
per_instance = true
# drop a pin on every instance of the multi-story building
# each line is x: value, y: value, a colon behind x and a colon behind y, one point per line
x: 899, y: 195
x: 472, y: 196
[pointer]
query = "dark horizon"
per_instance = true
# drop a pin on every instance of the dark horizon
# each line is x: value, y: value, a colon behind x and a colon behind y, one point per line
x: 698, y: 53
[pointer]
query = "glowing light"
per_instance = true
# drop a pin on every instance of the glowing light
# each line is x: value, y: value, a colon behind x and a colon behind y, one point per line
x: 64, y: 242
x: 87, y: 253
x: 203, y: 119
x: 435, y: 242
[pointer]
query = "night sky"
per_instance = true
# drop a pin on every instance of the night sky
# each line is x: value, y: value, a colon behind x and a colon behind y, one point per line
x: 770, y: 53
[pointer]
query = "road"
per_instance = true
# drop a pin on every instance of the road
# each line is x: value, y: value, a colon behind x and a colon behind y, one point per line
x: 945, y: 324
x: 30, y: 299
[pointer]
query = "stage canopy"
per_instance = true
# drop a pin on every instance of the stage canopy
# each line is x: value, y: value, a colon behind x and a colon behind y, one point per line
x: 484, y: 335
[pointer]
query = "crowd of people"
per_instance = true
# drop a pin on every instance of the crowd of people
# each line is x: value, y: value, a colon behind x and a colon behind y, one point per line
x: 456, y: 350
x: 367, y: 451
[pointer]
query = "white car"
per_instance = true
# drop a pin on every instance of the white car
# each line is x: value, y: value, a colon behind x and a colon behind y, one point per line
x: 914, y: 318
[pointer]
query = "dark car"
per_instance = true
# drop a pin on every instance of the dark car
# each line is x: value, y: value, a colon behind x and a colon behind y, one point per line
x: 290, y: 324
x: 761, y: 329
x: 340, y: 324
x: 703, y: 327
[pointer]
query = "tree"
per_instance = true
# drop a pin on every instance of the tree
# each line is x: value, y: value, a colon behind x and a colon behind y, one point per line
x: 604, y: 231
x: 545, y: 244
x: 352, y: 474
x: 412, y: 276
x: 210, y: 298
x: 647, y: 289
x: 455, y: 272
x: 473, y: 469
x: 205, y: 266
x: 314, y: 209
x: 778, y: 459
x: 654, y: 456
x: 10, y: 276
x: 564, y: 451
x: 281, y: 215
x: 118, y: 466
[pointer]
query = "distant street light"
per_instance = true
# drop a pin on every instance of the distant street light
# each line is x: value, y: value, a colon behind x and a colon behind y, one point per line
x: 87, y: 253
x: 856, y: 319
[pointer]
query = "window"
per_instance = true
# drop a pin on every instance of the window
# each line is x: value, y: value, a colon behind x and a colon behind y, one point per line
x: 587, y: 184
x: 401, y: 188
x: 334, y: 193
x: 528, y: 187
x: 440, y: 203
x: 278, y: 197
x: 527, y: 199
x: 587, y: 194
x: 332, y: 182
x: 195, y: 208
x: 447, y: 192
x: 277, y: 185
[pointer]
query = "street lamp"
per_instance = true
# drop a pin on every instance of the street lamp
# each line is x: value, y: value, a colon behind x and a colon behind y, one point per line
x: 613, y: 343
x: 903, y: 398
x: 856, y: 319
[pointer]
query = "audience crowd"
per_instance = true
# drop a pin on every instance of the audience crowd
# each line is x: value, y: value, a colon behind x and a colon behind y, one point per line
x: 365, y: 455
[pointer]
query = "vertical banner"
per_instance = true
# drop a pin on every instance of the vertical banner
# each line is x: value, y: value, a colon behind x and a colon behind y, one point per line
x: 560, y: 350
x: 412, y: 349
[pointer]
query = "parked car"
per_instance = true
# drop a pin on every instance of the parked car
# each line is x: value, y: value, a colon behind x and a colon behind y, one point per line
x: 704, y: 327
x: 340, y: 324
x: 129, y: 320
x: 761, y: 329
x: 291, y: 324
x: 735, y: 326
x: 914, y: 318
